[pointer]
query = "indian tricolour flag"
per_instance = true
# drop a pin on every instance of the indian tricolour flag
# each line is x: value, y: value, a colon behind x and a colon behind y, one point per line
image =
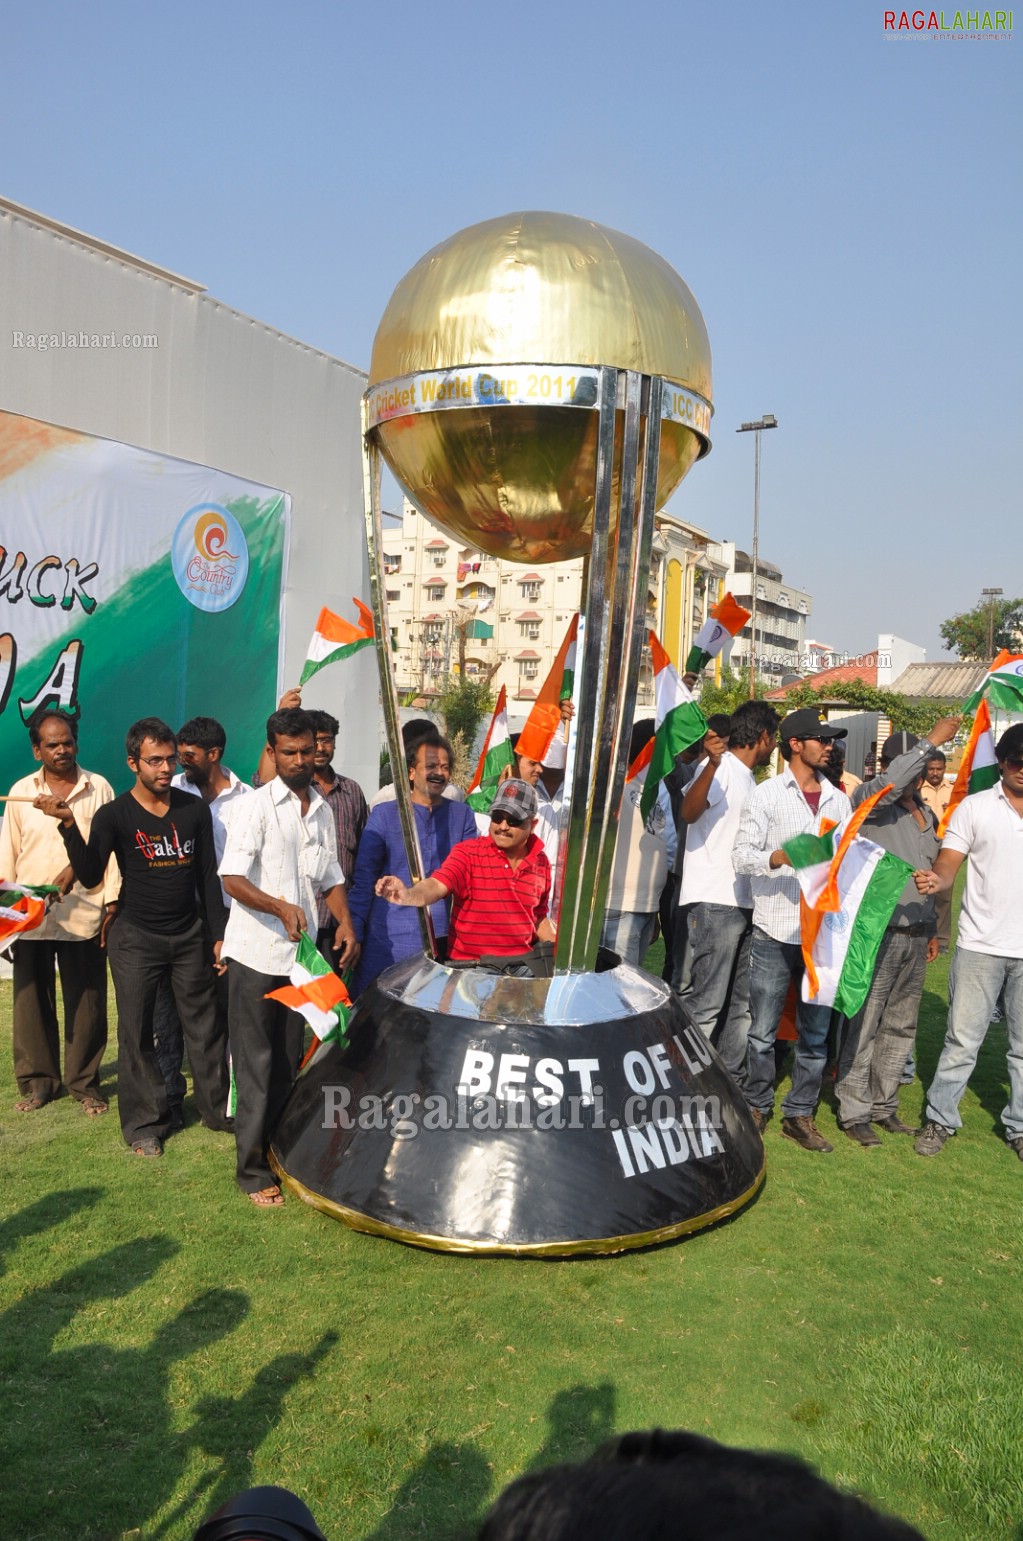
x: 495, y: 756
x: 545, y: 718
x: 979, y: 769
x: 1003, y: 685
x: 679, y: 723
x: 724, y: 621
x: 317, y: 994
x: 849, y: 887
x: 22, y: 907
x: 335, y: 639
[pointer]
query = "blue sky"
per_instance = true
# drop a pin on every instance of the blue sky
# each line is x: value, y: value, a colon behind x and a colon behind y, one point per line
x: 845, y: 205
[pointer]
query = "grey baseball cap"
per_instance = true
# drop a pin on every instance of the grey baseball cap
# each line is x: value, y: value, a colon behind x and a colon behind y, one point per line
x: 516, y: 797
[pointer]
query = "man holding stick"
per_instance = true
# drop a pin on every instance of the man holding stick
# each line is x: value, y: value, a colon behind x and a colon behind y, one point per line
x: 71, y: 937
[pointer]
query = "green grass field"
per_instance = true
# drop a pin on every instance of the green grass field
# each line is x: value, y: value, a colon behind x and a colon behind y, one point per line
x: 164, y: 1344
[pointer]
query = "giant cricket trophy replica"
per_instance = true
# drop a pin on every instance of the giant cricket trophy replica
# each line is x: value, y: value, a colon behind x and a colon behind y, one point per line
x: 539, y: 386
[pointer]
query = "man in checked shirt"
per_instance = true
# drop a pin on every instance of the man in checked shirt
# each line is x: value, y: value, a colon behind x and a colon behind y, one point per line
x: 796, y: 802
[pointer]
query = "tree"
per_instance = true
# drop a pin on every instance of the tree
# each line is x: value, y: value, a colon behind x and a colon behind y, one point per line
x: 979, y: 633
x: 463, y: 703
x: 903, y: 712
x: 730, y: 693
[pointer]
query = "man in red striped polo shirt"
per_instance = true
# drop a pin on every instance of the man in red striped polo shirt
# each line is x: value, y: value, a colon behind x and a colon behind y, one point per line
x: 501, y: 885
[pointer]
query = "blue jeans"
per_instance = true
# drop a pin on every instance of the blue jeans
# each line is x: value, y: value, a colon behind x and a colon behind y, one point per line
x: 719, y: 1000
x: 773, y: 967
x: 629, y: 934
x: 975, y: 981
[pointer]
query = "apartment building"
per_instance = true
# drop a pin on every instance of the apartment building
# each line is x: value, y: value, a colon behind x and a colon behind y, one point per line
x: 451, y: 606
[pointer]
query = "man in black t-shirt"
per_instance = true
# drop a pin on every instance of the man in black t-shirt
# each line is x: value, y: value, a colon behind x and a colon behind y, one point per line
x: 171, y: 911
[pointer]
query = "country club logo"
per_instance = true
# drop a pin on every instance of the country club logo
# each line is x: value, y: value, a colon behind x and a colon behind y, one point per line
x: 210, y: 557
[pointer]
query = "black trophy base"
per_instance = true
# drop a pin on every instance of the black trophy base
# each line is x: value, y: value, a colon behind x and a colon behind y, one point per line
x: 471, y: 1112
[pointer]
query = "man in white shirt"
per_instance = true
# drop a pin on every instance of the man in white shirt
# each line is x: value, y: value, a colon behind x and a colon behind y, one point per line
x: 644, y: 851
x: 988, y: 959
x: 720, y: 899
x: 279, y: 856
x: 796, y: 802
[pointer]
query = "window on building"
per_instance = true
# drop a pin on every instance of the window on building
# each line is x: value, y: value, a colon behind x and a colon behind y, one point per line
x: 393, y: 594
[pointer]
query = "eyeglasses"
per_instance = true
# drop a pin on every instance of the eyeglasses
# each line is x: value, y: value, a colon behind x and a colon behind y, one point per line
x: 159, y: 759
x: 512, y: 820
x: 327, y: 739
x: 1013, y: 763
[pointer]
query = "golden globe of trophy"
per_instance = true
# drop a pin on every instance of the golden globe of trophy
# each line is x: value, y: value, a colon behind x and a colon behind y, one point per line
x: 539, y: 386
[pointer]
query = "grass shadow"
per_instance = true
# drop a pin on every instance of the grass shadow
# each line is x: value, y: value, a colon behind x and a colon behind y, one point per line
x: 445, y: 1497
x: 90, y: 1428
x: 52, y: 1209
x: 578, y: 1420
x: 229, y: 1430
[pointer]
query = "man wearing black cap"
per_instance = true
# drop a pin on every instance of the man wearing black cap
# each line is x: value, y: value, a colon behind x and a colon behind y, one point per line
x: 501, y: 885
x: 881, y: 1034
x: 794, y: 803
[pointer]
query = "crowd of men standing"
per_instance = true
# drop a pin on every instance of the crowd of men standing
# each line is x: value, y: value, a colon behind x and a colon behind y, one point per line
x: 197, y: 887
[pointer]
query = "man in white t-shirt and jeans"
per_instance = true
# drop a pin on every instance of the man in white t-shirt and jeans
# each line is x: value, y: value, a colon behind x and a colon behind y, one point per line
x: 988, y: 959
x: 720, y: 899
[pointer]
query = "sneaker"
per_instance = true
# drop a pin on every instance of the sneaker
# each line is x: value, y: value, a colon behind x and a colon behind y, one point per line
x: 805, y: 1133
x: 893, y: 1125
x: 861, y: 1133
x: 930, y: 1139
x: 1017, y: 1146
x: 150, y: 1146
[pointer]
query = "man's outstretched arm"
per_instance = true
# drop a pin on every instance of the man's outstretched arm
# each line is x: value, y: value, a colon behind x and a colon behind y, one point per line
x: 427, y: 891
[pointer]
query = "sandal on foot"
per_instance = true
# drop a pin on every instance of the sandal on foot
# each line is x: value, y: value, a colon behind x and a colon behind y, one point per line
x: 147, y: 1147
x: 29, y: 1104
x: 92, y: 1107
x: 267, y: 1198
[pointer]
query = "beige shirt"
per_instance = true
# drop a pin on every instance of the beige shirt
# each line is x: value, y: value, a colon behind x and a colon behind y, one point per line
x: 936, y: 798
x: 32, y: 851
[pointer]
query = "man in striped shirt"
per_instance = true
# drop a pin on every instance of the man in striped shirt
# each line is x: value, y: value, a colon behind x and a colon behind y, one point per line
x: 501, y: 885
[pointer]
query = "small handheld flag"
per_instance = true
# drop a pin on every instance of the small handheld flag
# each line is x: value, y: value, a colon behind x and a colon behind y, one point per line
x: 22, y: 906
x: 495, y: 755
x: 979, y: 769
x: 1002, y: 686
x: 725, y: 620
x: 679, y: 724
x: 317, y: 994
x: 545, y: 717
x: 843, y: 874
x: 335, y: 639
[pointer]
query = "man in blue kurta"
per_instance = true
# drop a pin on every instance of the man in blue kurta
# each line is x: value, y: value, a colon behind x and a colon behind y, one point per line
x: 387, y: 932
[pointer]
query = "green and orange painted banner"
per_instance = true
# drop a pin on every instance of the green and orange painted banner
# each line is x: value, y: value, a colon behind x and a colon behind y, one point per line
x: 133, y: 584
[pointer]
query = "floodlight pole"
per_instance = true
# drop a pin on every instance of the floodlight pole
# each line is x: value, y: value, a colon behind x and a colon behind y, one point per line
x: 767, y: 421
x: 991, y: 595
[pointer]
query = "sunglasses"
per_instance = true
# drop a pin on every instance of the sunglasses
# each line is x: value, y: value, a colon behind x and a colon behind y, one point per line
x: 513, y: 820
x: 1013, y: 762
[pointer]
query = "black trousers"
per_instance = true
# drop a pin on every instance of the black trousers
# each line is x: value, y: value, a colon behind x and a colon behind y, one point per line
x: 266, y: 1049
x: 139, y: 960
x: 83, y: 984
x: 170, y: 1040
